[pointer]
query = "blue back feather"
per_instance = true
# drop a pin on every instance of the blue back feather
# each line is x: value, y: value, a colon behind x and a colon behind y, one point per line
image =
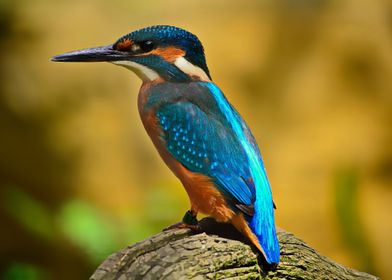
x: 205, y: 133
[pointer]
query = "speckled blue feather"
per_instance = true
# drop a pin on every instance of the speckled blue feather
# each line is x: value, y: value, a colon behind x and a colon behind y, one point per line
x: 205, y: 133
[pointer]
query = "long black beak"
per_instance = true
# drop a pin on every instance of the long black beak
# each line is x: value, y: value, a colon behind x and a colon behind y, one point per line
x: 105, y: 53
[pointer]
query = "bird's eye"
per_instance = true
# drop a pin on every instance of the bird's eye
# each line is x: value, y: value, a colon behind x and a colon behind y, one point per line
x: 146, y: 46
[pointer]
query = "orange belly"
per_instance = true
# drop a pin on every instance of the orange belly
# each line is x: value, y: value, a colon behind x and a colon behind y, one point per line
x: 203, y: 194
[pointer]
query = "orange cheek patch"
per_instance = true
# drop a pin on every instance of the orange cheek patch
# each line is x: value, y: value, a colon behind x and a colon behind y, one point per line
x: 169, y: 54
x: 124, y: 45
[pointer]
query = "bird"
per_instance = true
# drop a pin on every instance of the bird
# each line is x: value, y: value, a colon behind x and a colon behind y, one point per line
x: 196, y: 130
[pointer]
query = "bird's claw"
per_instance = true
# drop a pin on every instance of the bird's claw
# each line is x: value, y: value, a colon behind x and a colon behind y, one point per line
x: 179, y: 225
x: 188, y: 221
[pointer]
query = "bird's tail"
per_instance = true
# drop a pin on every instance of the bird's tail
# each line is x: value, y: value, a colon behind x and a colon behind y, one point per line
x: 263, y: 226
x: 262, y: 237
x: 269, y: 242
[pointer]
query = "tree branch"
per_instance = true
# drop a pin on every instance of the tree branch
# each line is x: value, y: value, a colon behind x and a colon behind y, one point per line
x: 217, y: 253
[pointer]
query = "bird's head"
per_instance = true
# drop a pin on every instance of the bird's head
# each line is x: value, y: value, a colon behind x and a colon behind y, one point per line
x: 166, y: 52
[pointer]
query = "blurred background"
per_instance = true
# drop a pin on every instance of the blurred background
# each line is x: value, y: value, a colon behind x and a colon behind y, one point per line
x: 79, y: 178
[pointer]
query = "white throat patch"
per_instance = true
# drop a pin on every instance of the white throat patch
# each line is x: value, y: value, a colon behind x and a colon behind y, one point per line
x: 147, y: 74
x: 143, y: 72
x: 190, y: 69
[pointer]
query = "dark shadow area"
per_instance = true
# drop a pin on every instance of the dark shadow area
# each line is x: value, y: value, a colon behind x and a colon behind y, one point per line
x: 226, y: 230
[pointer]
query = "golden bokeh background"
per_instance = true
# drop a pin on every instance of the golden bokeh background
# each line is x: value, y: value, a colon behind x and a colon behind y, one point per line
x: 80, y: 179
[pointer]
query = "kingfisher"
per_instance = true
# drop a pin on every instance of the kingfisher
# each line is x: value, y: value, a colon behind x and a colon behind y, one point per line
x: 196, y: 130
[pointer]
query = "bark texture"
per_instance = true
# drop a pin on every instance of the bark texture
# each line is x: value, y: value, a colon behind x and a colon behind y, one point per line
x: 219, y: 252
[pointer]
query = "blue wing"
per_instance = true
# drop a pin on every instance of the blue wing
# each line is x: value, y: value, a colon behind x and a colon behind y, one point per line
x: 204, y: 145
x: 216, y: 142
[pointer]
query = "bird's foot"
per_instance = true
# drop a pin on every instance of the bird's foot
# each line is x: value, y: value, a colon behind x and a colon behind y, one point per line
x: 183, y: 225
x: 188, y: 221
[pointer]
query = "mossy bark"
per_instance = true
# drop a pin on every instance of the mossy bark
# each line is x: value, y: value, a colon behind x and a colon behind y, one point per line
x: 217, y: 253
